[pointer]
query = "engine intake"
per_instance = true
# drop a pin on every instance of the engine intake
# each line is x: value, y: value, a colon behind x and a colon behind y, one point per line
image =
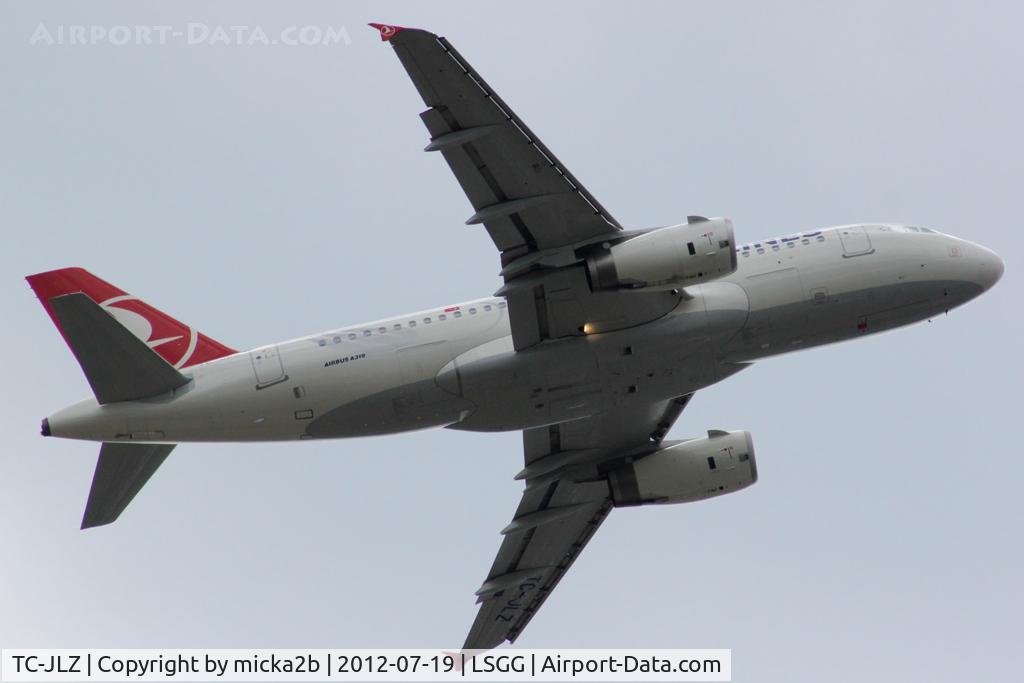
x: 687, y: 471
x: 667, y: 258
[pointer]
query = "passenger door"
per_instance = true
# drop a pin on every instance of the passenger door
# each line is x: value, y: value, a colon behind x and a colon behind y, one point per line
x: 266, y: 364
x: 855, y: 241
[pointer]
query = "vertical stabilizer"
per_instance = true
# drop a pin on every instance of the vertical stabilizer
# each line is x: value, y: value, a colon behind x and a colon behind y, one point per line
x: 177, y: 343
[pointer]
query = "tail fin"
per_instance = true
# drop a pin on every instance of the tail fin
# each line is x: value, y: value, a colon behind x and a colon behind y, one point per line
x: 128, y: 351
x: 180, y: 345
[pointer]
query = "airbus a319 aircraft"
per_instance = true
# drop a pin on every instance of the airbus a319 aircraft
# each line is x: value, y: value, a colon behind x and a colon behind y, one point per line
x: 593, y: 347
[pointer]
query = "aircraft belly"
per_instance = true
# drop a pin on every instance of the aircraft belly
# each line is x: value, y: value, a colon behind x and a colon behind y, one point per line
x: 547, y: 383
x: 403, y: 408
x: 404, y: 393
x: 841, y: 296
x: 373, y: 387
x: 580, y: 376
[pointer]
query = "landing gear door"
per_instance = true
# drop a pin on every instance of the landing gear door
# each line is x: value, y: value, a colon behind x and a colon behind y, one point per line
x: 855, y: 241
x: 266, y: 363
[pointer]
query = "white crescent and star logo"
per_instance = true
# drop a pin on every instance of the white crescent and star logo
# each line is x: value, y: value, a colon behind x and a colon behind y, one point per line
x: 136, y: 322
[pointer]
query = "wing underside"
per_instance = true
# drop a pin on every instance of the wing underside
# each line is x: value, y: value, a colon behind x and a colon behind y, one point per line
x: 522, y: 194
x: 545, y: 224
x: 539, y: 216
x: 564, y: 503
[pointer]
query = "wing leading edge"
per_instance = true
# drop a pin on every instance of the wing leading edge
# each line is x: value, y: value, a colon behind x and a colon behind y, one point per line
x: 522, y: 194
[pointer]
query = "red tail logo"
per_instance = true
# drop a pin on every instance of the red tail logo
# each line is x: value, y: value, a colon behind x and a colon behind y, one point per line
x: 179, y: 344
x: 387, y: 31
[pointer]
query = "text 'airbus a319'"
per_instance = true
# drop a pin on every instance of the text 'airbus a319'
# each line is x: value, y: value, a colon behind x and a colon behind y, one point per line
x: 593, y: 346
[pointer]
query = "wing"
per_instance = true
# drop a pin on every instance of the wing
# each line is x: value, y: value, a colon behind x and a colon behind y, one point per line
x: 524, y: 196
x: 540, y: 217
x: 544, y: 223
x: 564, y: 503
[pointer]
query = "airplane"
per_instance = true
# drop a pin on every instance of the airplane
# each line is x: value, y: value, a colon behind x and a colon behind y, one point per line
x: 593, y: 346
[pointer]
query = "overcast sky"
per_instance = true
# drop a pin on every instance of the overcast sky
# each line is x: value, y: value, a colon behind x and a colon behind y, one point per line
x: 265, y: 192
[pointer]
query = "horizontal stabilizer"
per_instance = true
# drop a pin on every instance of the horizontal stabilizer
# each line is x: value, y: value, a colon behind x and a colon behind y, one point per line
x: 121, y: 471
x: 118, y: 365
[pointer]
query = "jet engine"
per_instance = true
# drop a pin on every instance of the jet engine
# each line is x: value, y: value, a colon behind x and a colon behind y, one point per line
x: 667, y: 258
x: 687, y: 471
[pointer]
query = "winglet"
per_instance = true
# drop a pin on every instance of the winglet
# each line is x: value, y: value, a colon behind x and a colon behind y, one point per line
x: 387, y: 31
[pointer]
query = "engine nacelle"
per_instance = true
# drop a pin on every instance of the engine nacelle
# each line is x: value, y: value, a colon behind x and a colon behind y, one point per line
x: 688, y: 471
x: 667, y: 258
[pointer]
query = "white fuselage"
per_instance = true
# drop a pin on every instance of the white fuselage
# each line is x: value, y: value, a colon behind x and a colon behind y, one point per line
x: 456, y: 367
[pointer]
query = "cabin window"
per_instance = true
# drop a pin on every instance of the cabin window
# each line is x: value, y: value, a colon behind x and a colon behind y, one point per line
x: 367, y: 333
x: 382, y: 330
x: 690, y: 248
x: 711, y: 462
x: 351, y: 335
x: 457, y: 314
x: 337, y: 340
x: 426, y: 321
x: 487, y: 307
x: 502, y: 304
x: 472, y: 311
x: 442, y: 317
x: 397, y: 326
x: 412, y: 323
x: 322, y: 342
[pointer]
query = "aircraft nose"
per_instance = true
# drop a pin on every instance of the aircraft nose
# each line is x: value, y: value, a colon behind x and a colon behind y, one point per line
x: 989, y: 267
x: 978, y: 266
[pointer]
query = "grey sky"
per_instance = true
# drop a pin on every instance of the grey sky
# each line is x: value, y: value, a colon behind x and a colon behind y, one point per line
x: 261, y: 193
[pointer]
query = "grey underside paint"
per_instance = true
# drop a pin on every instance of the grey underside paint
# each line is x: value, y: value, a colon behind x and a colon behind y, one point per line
x: 561, y: 380
x: 410, y: 406
x: 673, y: 356
x: 843, y: 316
